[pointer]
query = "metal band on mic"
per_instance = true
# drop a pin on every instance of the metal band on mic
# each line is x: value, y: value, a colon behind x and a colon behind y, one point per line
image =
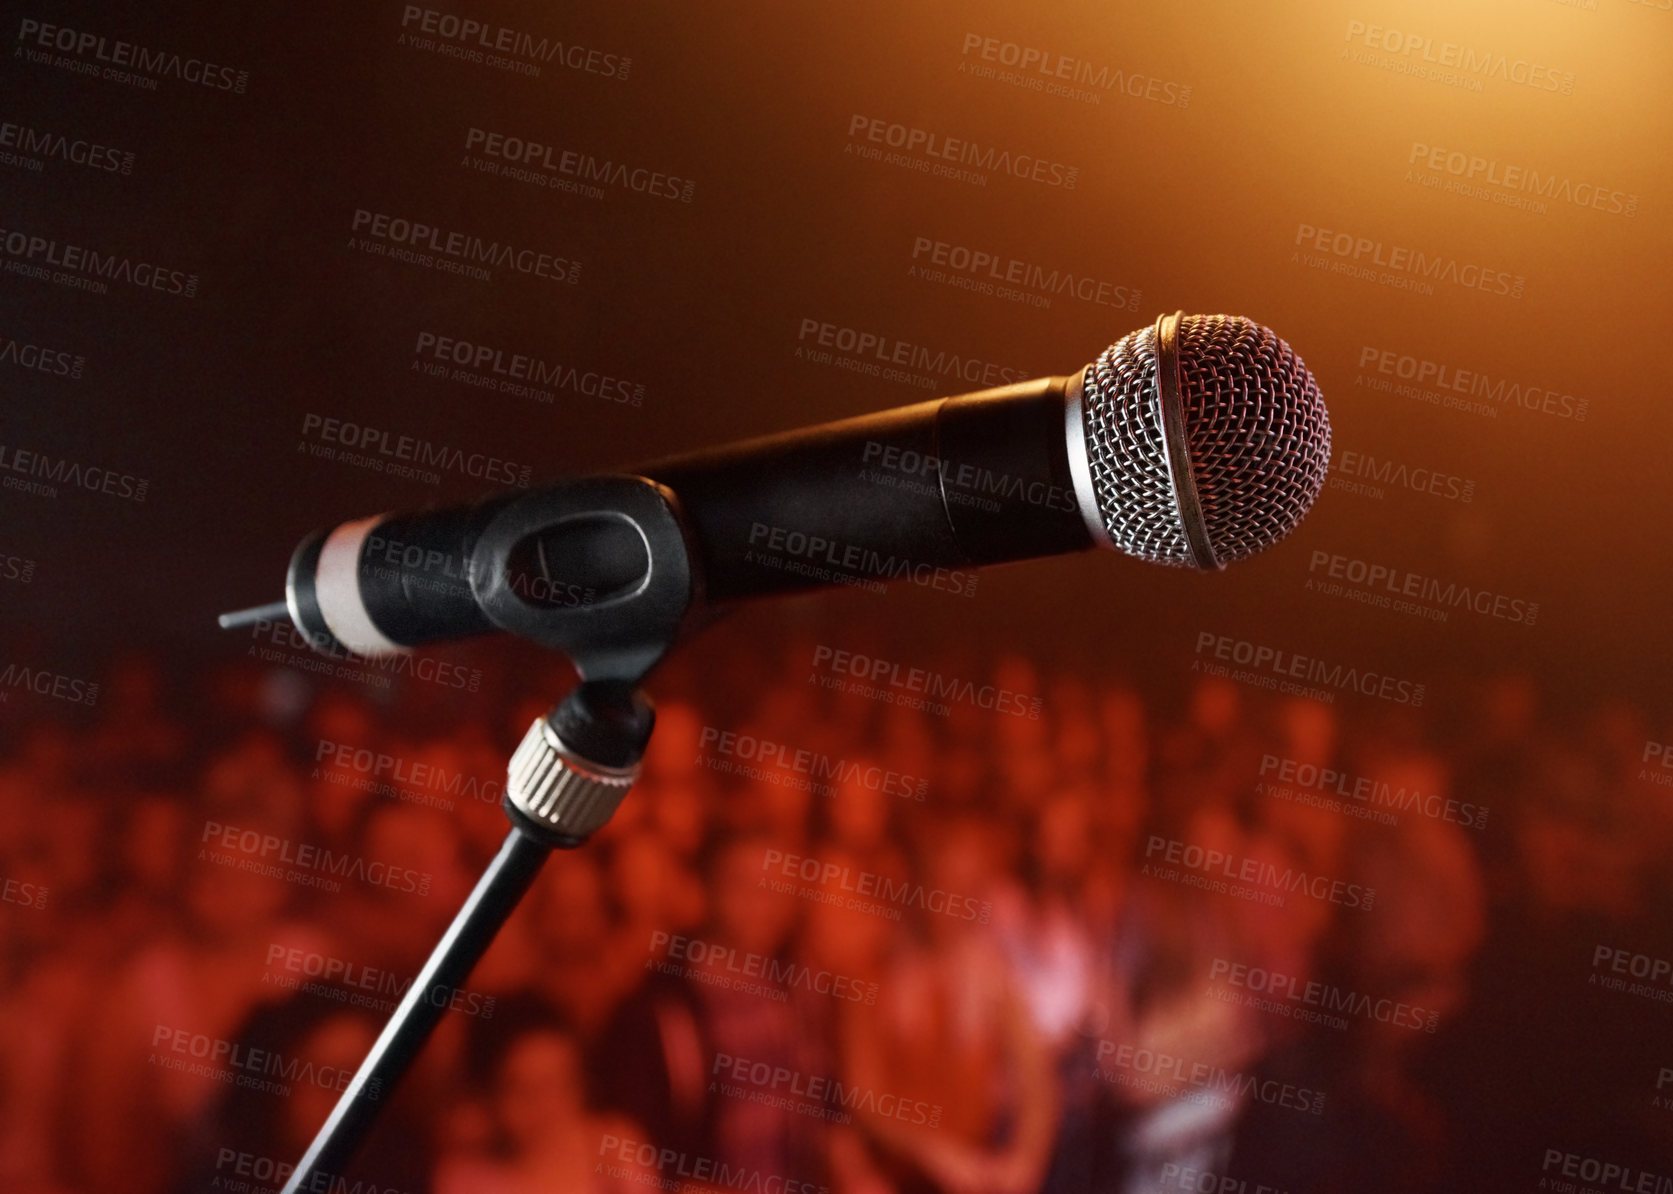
x: 1177, y: 443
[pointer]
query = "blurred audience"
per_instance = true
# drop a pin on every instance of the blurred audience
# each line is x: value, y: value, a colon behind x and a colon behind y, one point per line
x: 829, y: 946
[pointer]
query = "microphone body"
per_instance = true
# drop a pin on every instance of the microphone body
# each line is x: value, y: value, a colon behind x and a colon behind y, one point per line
x: 924, y: 493
x: 1194, y: 443
x: 941, y: 487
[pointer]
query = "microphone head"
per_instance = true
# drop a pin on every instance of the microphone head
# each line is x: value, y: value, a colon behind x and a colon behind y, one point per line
x: 1206, y: 440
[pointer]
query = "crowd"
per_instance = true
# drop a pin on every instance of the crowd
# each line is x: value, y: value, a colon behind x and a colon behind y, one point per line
x: 833, y: 944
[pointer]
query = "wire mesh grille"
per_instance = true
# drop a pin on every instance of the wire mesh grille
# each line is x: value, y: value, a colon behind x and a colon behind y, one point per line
x: 1258, y: 434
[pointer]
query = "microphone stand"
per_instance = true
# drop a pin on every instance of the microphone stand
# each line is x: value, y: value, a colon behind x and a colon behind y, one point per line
x: 574, y: 765
x: 564, y: 782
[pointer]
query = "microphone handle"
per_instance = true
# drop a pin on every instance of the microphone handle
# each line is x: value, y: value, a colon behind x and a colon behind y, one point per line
x: 923, y: 494
x: 381, y: 584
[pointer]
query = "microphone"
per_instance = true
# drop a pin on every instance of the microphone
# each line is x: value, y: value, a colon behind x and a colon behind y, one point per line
x: 1194, y: 442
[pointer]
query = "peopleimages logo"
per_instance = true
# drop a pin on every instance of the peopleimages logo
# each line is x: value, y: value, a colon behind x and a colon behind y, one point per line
x: 1602, y: 1175
x: 751, y: 973
x: 1280, y: 670
x: 501, y: 46
x: 81, y: 268
x: 1657, y: 755
x: 234, y: 1169
x: 303, y: 863
x: 888, y: 680
x: 1613, y: 967
x: 348, y: 442
x: 44, y: 682
x: 377, y: 772
x: 84, y: 52
x: 985, y: 271
x: 1311, y: 1000
x: 943, y: 155
x: 1454, y: 64
x: 277, y: 640
x: 1477, y: 177
x: 237, y: 1064
x: 1366, y: 475
x: 1224, y: 872
x: 18, y: 463
x: 54, y: 362
x: 506, y: 372
x: 797, y: 551
x: 673, y: 1169
x: 1372, y: 793
x: 1452, y: 386
x: 1400, y: 266
x: 421, y: 567
x: 875, y: 352
x: 823, y: 770
x: 961, y: 482
x: 835, y: 879
x: 359, y: 985
x: 1164, y: 1073
x: 527, y: 160
x: 816, y: 1095
x: 418, y: 243
x: 1206, y: 1181
x: 1404, y: 591
x: 1035, y: 69
x: 29, y: 147
x: 18, y: 568
x: 23, y: 894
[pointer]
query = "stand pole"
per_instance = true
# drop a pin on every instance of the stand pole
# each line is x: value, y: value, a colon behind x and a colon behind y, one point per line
x: 473, y: 930
x: 563, y: 783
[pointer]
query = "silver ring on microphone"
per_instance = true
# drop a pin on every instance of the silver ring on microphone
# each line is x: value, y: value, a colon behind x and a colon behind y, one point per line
x: 1175, y: 441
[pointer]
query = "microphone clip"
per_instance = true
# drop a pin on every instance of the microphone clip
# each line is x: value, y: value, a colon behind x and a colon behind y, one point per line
x: 599, y: 569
